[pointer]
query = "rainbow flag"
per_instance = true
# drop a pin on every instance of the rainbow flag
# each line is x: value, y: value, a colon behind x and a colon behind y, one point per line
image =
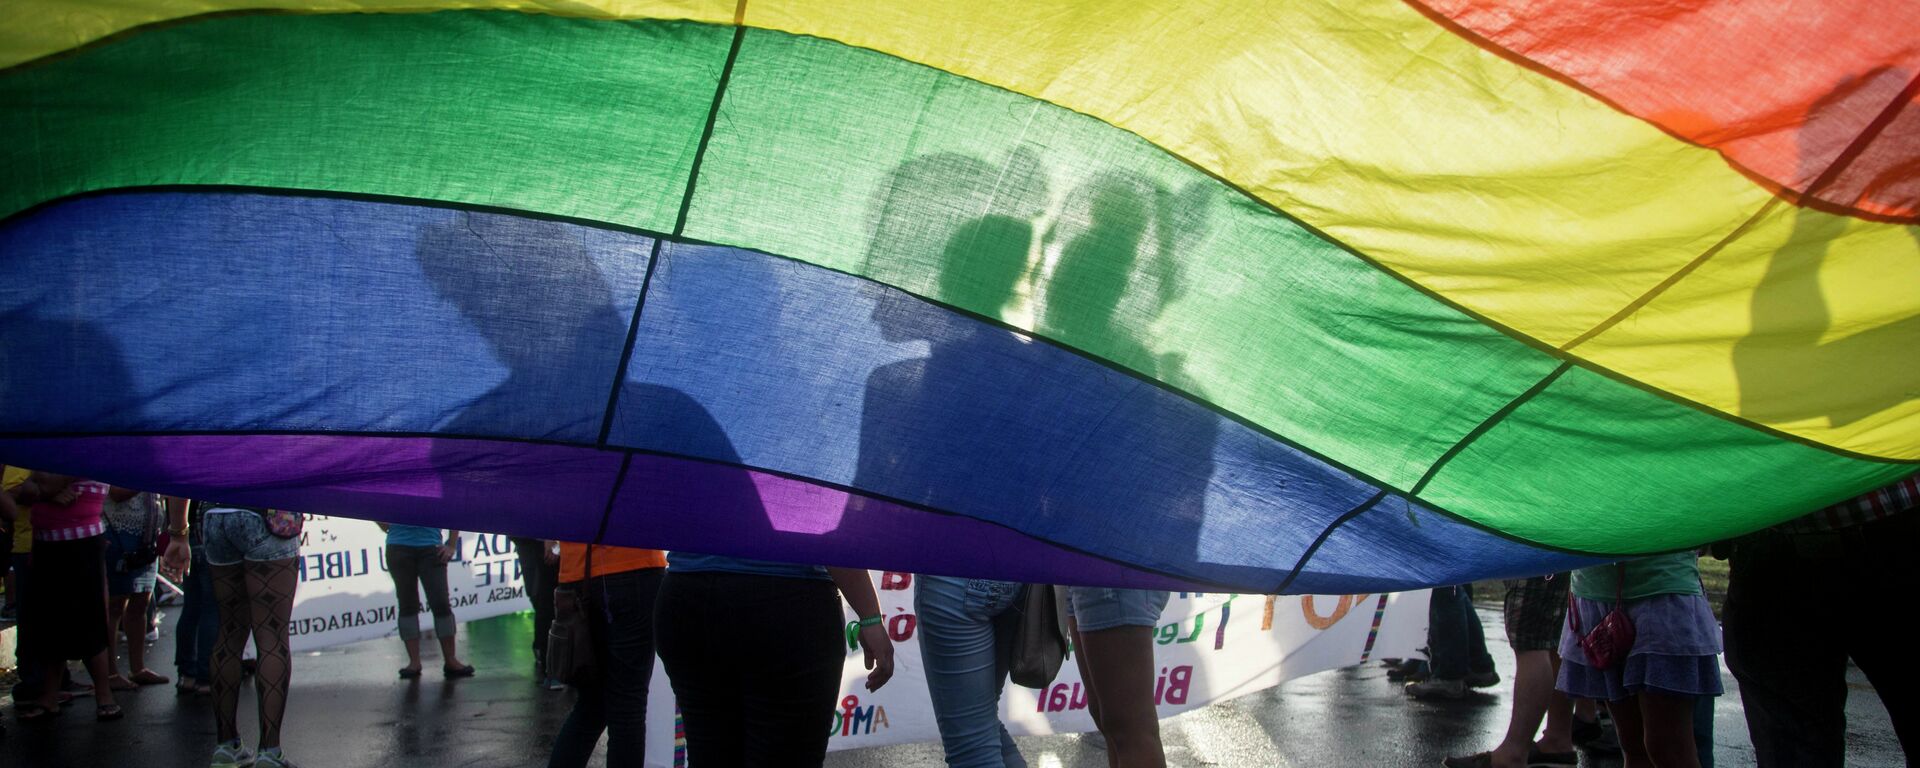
x: 1296, y: 297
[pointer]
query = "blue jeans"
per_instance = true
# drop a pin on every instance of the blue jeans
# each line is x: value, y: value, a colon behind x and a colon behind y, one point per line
x: 199, y: 621
x: 1455, y: 639
x: 966, y: 638
x: 614, y: 700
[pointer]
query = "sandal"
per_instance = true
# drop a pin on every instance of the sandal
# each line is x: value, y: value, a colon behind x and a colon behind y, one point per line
x: 409, y: 673
x: 149, y: 677
x: 464, y: 671
x: 29, y: 712
x: 121, y: 683
x: 107, y: 712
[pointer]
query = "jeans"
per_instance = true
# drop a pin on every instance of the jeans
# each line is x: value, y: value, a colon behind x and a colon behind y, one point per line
x: 409, y: 565
x: 755, y: 662
x: 1455, y: 640
x: 1799, y: 606
x: 614, y: 700
x: 233, y: 535
x: 199, y: 622
x: 539, y: 577
x: 966, y: 639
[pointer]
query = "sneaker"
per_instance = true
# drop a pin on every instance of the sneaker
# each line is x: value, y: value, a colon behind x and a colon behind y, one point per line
x: 554, y: 684
x: 1482, y: 679
x: 232, y: 754
x: 272, y: 758
x: 153, y: 634
x: 1436, y: 688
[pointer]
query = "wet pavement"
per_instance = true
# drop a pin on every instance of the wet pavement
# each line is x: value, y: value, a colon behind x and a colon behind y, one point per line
x: 349, y: 710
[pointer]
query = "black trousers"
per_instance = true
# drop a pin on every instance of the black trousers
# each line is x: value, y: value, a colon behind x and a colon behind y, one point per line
x: 539, y: 577
x: 755, y: 663
x: 1797, y: 608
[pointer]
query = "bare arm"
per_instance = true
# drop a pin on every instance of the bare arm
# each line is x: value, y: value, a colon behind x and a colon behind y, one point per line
x: 857, y: 587
x: 178, y: 554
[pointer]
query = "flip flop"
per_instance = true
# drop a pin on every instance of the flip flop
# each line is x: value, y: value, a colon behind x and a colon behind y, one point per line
x: 466, y: 671
x: 107, y: 712
x: 32, y: 713
x: 149, y: 677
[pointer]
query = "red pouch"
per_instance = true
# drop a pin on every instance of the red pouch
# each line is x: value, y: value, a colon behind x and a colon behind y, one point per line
x: 1608, y: 644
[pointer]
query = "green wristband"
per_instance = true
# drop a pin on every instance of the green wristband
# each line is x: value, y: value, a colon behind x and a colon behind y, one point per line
x: 853, y: 630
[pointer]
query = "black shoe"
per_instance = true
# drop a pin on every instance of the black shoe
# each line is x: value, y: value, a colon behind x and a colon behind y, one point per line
x: 1411, y: 671
x: 1594, y: 737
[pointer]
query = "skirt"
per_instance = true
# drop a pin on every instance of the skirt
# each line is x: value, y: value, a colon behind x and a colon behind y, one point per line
x: 63, y: 605
x: 1676, y: 650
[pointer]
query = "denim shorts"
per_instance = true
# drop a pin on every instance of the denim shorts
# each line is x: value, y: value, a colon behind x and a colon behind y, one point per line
x: 1097, y: 608
x: 233, y: 535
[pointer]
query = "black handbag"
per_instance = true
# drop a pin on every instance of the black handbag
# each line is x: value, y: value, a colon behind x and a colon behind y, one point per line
x: 1040, y: 641
x: 570, y: 639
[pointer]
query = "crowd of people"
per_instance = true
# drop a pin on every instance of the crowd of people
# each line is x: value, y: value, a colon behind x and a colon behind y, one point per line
x: 1638, y: 638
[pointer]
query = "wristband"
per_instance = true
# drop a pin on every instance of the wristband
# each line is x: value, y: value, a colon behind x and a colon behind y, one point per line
x: 853, y: 630
x: 178, y: 533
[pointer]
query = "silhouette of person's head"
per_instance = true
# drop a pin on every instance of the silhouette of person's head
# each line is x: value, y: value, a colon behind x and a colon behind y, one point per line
x: 956, y: 229
x: 1096, y: 267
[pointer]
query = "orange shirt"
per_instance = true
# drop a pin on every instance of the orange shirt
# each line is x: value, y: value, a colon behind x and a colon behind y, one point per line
x: 606, y: 560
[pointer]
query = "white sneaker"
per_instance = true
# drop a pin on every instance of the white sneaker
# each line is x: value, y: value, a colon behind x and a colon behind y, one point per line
x: 232, y: 754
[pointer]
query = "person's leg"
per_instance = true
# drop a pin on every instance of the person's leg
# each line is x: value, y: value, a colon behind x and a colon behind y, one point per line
x: 1880, y: 555
x: 1703, y: 729
x: 1633, y: 739
x: 627, y: 624
x: 230, y: 596
x: 791, y: 687
x: 1121, y: 660
x: 1533, y: 692
x: 573, y: 745
x: 433, y: 580
x: 1087, y: 682
x: 1558, y: 735
x: 1447, y: 633
x: 1666, y: 724
x: 692, y: 623
x: 959, y: 650
x: 134, y: 625
x: 1792, y: 672
x: 533, y: 580
x: 403, y: 564
x: 186, y: 627
x: 116, y: 618
x: 270, y: 586
x: 1479, y: 660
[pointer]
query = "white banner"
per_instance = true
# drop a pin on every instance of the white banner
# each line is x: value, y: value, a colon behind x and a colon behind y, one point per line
x: 1211, y: 648
x: 346, y: 596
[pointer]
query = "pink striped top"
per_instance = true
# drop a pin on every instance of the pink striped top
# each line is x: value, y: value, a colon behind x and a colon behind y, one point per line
x: 77, y: 520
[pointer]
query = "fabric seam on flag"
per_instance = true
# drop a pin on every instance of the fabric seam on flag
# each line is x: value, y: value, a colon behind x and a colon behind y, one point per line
x: 679, y: 226
x: 1675, y: 278
x: 1322, y: 539
x: 1485, y: 426
x: 1852, y: 152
